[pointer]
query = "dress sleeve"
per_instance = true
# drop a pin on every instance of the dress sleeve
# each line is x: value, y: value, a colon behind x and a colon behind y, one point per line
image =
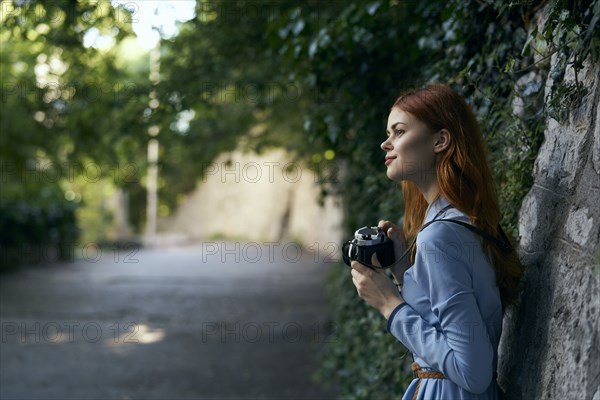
x: 457, y: 344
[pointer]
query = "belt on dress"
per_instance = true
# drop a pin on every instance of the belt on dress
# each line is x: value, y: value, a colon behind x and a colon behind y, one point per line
x: 420, y: 374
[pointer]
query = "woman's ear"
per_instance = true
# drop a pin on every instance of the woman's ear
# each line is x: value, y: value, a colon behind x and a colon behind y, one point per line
x: 442, y: 140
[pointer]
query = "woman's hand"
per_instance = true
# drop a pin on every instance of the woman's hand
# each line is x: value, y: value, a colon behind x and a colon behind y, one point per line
x: 375, y: 287
x: 395, y: 233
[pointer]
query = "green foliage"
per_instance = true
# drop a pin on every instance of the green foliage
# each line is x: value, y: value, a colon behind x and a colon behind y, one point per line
x: 33, y: 220
x: 571, y: 36
x: 55, y: 87
x: 64, y: 106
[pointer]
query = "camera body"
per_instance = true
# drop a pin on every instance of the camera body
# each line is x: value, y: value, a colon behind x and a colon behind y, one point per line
x: 369, y: 240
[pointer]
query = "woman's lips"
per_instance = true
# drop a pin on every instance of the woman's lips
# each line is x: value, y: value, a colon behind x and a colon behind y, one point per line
x: 389, y: 160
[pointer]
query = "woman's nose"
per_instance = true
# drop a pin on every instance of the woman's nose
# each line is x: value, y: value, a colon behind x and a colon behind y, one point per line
x: 386, y: 145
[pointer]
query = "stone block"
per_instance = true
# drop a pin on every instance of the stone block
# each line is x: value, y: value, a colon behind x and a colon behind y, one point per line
x: 579, y: 226
x: 561, y: 156
x: 539, y: 218
x: 527, y: 90
x: 572, y: 328
x: 564, y: 150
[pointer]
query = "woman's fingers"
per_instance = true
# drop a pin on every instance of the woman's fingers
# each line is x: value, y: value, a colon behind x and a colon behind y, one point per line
x: 393, y: 231
x: 362, y: 275
x: 357, y: 266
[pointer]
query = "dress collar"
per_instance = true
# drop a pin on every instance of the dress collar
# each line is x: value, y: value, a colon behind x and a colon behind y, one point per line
x: 435, y: 207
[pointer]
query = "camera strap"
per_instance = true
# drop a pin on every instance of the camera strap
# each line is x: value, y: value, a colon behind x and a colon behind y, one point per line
x: 503, y: 243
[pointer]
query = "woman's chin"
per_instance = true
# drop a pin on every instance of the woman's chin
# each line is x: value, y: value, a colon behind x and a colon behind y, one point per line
x: 394, y: 176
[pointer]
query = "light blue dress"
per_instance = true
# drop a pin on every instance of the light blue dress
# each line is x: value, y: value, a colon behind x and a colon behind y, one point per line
x: 451, y: 320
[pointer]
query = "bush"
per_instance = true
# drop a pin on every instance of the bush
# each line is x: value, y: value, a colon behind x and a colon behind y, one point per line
x: 35, y: 221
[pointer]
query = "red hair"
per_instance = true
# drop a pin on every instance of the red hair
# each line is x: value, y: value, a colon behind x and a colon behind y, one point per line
x: 463, y: 176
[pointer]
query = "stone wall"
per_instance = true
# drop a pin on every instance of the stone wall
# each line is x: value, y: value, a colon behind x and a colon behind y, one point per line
x: 550, y: 347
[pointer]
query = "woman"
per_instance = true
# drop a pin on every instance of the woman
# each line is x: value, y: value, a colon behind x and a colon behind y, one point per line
x: 454, y: 286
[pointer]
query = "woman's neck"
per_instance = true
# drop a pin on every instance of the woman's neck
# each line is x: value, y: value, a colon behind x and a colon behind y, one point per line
x: 430, y: 191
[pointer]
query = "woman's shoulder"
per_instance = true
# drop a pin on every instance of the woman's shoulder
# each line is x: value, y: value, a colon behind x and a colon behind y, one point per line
x: 446, y: 231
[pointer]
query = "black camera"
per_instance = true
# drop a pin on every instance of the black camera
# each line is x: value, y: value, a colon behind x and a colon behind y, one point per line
x: 369, y: 240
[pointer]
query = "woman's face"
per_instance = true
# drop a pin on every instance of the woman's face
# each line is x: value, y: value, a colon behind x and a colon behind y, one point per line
x: 409, y: 148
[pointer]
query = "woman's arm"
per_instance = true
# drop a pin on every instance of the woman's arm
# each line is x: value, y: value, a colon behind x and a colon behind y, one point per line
x: 461, y: 349
x: 374, y: 286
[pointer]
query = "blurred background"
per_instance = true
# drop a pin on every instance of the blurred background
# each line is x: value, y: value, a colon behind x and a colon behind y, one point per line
x: 184, y: 172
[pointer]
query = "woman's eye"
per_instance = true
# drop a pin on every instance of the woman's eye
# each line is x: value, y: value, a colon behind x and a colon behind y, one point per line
x: 399, y: 132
